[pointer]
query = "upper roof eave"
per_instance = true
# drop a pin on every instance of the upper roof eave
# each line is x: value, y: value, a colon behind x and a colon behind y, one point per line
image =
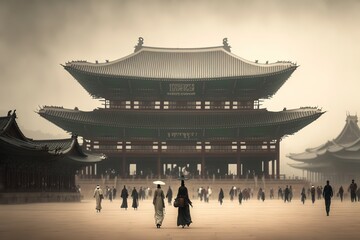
x: 121, y: 67
x: 292, y: 68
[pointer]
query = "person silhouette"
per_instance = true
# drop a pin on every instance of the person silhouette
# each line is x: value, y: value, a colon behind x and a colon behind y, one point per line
x: 159, y: 205
x: 341, y: 193
x: 169, y: 195
x: 221, y: 196
x: 312, y: 191
x: 327, y: 194
x: 352, y: 189
x: 184, y: 217
x: 124, y: 195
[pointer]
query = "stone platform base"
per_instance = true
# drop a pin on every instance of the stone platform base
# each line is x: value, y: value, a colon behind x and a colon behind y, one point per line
x: 38, y: 197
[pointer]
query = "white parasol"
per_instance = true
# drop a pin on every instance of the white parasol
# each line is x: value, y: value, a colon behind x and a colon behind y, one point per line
x: 159, y: 182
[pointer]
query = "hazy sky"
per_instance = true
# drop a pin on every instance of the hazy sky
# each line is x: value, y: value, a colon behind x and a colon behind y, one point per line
x: 323, y: 37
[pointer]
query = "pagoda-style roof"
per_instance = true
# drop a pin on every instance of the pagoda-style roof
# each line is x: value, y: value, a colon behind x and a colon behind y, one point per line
x: 344, y: 149
x: 173, y: 73
x: 14, y: 143
x: 180, y: 124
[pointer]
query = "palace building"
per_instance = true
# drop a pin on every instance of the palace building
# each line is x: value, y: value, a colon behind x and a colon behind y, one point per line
x: 192, y: 110
x: 337, y: 160
x: 28, y: 165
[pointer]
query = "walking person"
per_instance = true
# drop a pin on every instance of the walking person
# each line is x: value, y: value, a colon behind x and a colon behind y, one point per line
x: 98, y: 195
x: 303, y: 195
x: 352, y: 189
x: 114, y: 192
x: 240, y: 196
x: 184, y: 217
x: 327, y: 194
x: 341, y: 193
x: 286, y: 193
x: 312, y: 191
x: 110, y: 195
x: 135, y: 197
x: 208, y: 194
x: 169, y: 195
x: 221, y: 196
x: 159, y: 205
x: 232, y: 193
x: 124, y: 195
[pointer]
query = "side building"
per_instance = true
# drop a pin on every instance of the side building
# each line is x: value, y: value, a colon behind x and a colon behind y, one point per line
x: 183, y: 110
x: 31, y: 170
x: 337, y: 160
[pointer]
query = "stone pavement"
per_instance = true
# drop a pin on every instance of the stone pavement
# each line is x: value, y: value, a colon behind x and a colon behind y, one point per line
x: 272, y: 219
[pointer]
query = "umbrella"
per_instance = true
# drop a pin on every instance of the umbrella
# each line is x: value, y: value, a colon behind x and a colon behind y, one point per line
x: 159, y: 182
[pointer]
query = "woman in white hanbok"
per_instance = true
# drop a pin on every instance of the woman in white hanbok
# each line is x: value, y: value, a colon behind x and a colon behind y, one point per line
x: 98, y: 195
x: 159, y: 205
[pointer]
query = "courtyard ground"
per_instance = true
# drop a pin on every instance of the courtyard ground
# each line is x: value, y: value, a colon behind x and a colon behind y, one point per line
x: 272, y: 219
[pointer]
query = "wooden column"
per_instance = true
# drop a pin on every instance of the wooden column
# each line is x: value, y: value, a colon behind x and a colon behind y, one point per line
x: 238, y: 165
x: 202, y: 166
x: 238, y: 160
x: 202, y: 160
x: 159, y: 161
x: 266, y: 168
x: 159, y: 167
x: 161, y: 104
x: 273, y: 169
x: 277, y: 158
x: 123, y: 169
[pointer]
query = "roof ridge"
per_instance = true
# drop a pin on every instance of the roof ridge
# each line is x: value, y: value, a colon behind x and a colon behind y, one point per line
x: 182, y: 49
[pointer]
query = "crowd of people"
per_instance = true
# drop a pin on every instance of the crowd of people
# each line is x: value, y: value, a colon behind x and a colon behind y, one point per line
x: 183, y: 202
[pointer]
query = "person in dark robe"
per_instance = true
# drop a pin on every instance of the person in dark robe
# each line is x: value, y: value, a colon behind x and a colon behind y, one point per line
x: 341, y: 193
x: 114, y: 192
x: 141, y: 193
x: 259, y: 193
x: 327, y: 194
x: 124, y: 195
x: 286, y: 194
x: 319, y: 192
x: 240, y: 196
x: 263, y: 195
x: 280, y: 193
x: 135, y: 197
x: 169, y: 195
x: 290, y: 193
x: 271, y: 193
x: 312, y: 191
x: 221, y: 196
x: 231, y: 193
x: 303, y: 195
x: 184, y: 217
x: 358, y: 194
x: 110, y: 194
x: 352, y: 189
